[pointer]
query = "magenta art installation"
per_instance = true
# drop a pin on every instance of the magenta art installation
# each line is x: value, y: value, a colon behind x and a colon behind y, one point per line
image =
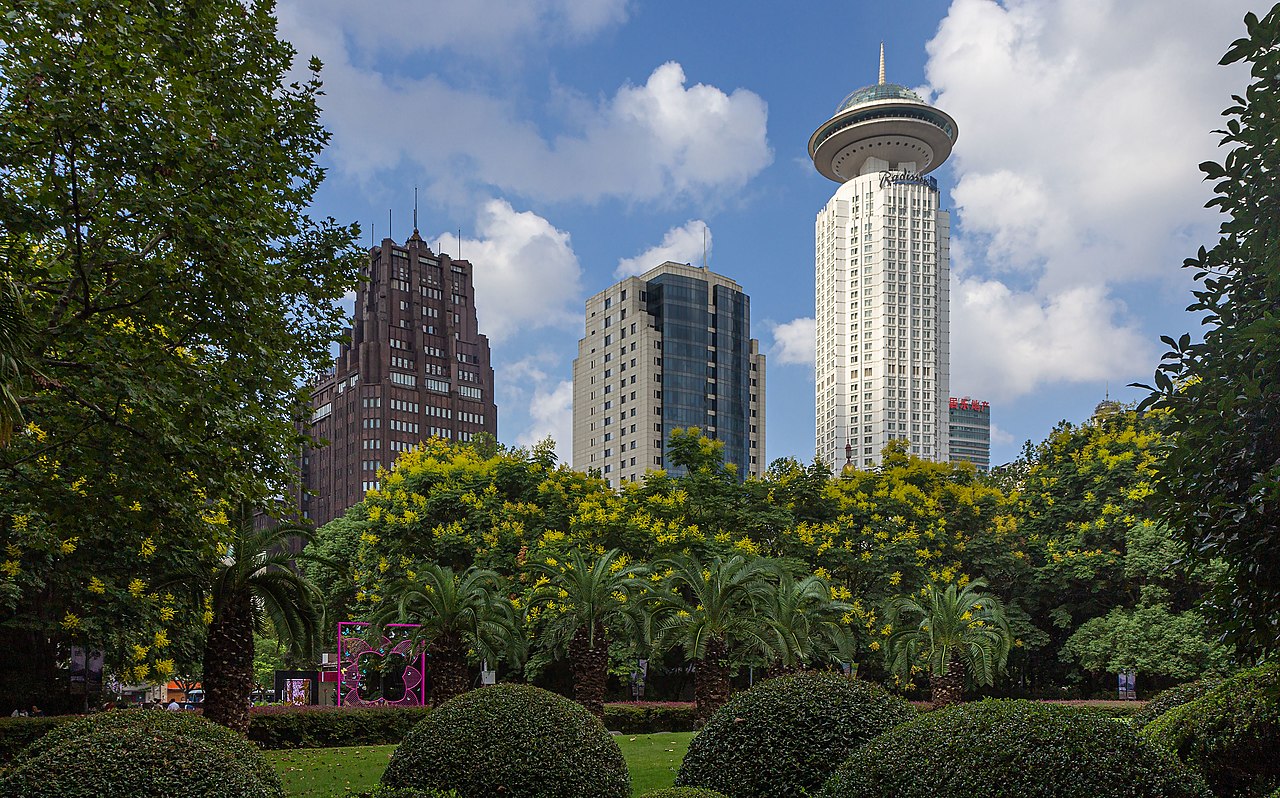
x: 385, y: 671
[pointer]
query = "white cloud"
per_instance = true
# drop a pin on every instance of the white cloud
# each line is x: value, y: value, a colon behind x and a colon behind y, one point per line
x: 794, y: 343
x: 653, y: 142
x: 482, y: 29
x: 1081, y: 126
x: 1006, y: 343
x: 999, y: 437
x: 551, y: 415
x: 526, y: 273
x: 679, y: 245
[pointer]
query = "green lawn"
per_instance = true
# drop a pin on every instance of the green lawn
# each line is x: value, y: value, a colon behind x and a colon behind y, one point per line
x: 653, y: 760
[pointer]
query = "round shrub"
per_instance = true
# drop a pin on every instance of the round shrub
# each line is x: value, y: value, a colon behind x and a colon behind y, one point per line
x: 784, y: 736
x: 511, y: 740
x: 683, y: 792
x: 1012, y: 749
x: 1231, y: 735
x: 1175, y: 696
x: 135, y: 763
x: 160, y: 723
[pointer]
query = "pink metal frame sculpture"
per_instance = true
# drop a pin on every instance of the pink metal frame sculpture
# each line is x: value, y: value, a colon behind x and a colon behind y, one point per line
x: 396, y: 639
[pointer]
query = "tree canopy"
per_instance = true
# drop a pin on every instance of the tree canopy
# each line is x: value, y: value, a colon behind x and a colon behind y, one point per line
x: 156, y: 163
x: 1220, y: 484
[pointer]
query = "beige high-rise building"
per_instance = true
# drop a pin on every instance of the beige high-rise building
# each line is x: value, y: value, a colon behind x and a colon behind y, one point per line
x: 882, y: 323
x: 669, y: 349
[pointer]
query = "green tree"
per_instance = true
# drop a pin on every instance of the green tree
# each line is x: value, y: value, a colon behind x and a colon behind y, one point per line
x: 713, y: 611
x: 1220, y: 483
x: 807, y: 625
x: 156, y: 163
x: 457, y: 613
x: 952, y: 633
x: 254, y: 588
x: 583, y: 603
x: 1150, y: 639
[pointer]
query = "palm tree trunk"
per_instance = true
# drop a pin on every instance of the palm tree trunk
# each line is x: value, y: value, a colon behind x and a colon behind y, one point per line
x: 590, y: 668
x: 948, y: 688
x: 448, y: 662
x: 711, y: 681
x: 228, y: 665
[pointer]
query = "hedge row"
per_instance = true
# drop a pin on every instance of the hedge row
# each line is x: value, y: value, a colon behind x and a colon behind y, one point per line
x: 315, y: 727
x: 649, y: 717
x: 274, y: 728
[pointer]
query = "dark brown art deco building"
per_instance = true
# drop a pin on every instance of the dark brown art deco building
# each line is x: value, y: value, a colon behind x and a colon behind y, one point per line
x: 416, y: 367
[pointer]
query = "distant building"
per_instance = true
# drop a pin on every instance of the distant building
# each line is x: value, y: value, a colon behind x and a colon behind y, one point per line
x: 882, y: 278
x: 416, y: 367
x: 670, y: 348
x: 970, y: 435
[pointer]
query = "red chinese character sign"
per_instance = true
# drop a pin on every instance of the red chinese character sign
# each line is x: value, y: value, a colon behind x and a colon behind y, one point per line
x: 381, y: 672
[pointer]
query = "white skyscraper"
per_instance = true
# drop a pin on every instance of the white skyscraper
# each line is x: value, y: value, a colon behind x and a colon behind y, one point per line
x: 882, y: 278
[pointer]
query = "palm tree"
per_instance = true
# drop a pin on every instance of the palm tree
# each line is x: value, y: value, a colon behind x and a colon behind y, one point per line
x: 806, y: 625
x: 456, y: 613
x: 16, y: 336
x: 582, y: 601
x: 952, y: 632
x: 254, y: 584
x: 710, y: 609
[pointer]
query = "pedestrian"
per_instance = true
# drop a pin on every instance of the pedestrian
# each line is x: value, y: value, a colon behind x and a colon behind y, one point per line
x: 173, y: 706
x: 36, y: 712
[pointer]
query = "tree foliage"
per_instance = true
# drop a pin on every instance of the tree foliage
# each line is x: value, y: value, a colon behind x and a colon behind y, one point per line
x: 1220, y: 482
x: 156, y: 163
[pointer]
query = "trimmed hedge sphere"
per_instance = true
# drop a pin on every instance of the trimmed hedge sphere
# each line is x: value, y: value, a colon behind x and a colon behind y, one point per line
x: 1175, y: 696
x: 1231, y: 735
x: 1012, y: 749
x: 135, y: 763
x: 511, y: 740
x: 784, y: 736
x: 683, y: 792
x: 160, y: 723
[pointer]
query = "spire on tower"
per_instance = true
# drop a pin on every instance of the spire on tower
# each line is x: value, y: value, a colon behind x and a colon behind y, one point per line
x: 881, y: 63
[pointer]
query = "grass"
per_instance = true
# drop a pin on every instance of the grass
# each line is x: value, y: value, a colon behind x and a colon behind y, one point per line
x: 652, y: 759
x: 327, y: 772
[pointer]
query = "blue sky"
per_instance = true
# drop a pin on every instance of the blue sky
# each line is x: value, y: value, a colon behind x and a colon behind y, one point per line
x: 573, y: 141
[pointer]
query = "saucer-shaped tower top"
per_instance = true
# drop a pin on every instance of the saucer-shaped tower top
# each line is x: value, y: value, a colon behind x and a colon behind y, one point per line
x: 884, y: 121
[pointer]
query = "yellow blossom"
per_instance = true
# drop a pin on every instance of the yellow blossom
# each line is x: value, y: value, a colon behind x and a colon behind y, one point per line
x: 13, y: 551
x: 10, y: 567
x: 139, y: 652
x: 207, y: 617
x: 895, y: 577
x: 137, y: 587
x: 161, y: 639
x: 136, y: 507
x: 20, y: 523
x: 164, y: 667
x: 69, y: 545
x: 96, y: 585
x: 874, y: 645
x: 148, y: 547
x: 34, y: 431
x: 70, y: 621
x: 166, y: 614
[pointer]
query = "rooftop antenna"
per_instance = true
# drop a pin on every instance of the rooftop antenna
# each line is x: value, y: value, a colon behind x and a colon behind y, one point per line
x: 704, y: 246
x: 459, y: 243
x: 390, y: 227
x: 415, y: 210
x: 881, y: 63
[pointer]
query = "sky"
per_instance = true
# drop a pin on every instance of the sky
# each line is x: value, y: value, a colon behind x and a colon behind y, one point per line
x: 572, y: 142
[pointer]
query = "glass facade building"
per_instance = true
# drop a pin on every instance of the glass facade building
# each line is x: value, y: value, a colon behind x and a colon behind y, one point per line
x: 970, y: 432
x: 669, y: 349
